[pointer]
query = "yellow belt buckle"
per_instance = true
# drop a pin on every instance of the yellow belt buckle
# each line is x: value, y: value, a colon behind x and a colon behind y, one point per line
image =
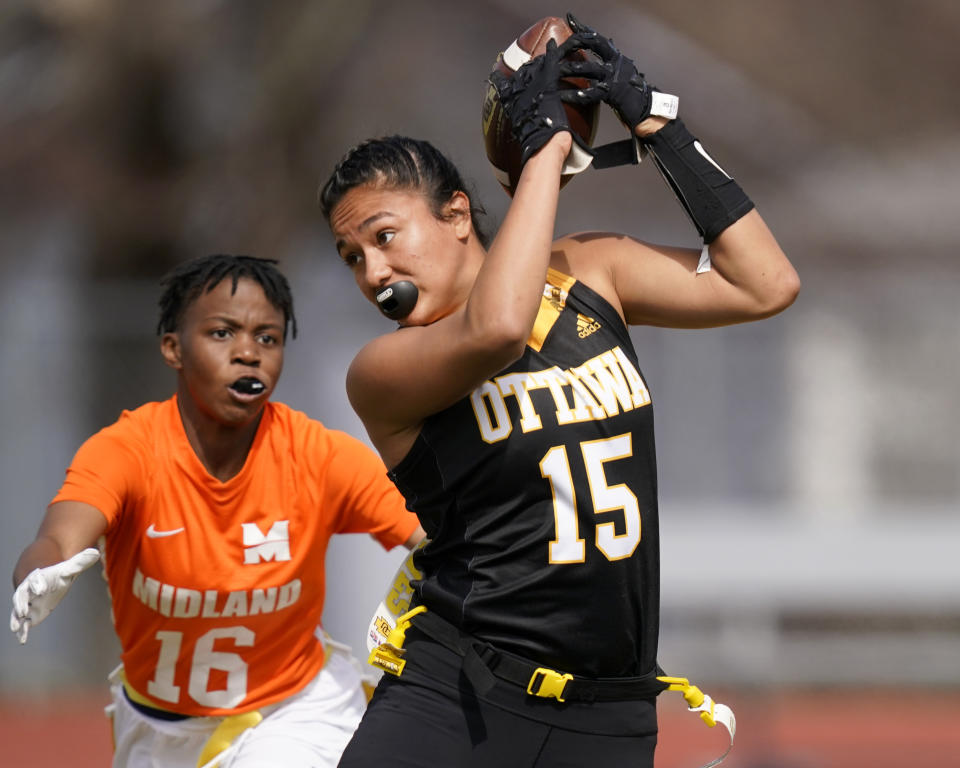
x: 388, y: 656
x: 551, y: 683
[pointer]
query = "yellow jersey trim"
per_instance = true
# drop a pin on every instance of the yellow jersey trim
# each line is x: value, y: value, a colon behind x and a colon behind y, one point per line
x: 551, y: 305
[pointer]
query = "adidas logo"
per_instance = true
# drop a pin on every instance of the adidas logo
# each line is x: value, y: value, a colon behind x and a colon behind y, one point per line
x: 586, y: 325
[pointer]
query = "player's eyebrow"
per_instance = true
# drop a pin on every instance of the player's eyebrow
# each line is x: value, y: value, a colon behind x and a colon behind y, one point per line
x: 232, y: 322
x: 372, y: 219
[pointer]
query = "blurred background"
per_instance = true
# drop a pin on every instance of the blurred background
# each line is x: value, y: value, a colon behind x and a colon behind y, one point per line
x: 809, y: 464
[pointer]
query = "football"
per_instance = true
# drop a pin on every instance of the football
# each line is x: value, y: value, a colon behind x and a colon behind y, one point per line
x: 503, y: 150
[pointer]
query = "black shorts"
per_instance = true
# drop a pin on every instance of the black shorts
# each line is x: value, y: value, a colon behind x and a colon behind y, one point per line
x: 431, y: 716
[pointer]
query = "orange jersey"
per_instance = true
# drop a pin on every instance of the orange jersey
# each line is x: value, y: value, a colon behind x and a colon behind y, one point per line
x: 217, y: 587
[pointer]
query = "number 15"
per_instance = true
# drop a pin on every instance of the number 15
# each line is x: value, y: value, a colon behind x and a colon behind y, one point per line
x: 568, y: 547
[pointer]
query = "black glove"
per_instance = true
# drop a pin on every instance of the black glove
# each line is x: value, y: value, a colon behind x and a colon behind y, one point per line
x: 616, y: 77
x: 533, y: 101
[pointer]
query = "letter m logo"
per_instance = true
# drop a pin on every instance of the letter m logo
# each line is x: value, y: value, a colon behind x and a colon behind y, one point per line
x: 274, y: 546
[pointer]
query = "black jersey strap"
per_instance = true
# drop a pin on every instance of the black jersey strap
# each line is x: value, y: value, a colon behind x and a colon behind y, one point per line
x: 484, y: 664
x: 625, y: 152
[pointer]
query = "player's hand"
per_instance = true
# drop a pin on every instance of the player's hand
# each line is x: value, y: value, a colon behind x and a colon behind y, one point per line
x: 532, y: 99
x: 43, y: 588
x: 616, y: 79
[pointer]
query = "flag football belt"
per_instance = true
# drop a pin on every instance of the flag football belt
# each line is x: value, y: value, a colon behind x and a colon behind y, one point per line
x: 484, y: 664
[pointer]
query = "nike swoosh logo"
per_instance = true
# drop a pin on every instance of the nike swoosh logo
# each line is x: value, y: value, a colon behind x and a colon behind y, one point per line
x: 153, y: 533
x: 699, y: 147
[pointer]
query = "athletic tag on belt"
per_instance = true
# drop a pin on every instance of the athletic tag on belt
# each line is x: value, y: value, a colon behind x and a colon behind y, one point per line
x: 395, y: 603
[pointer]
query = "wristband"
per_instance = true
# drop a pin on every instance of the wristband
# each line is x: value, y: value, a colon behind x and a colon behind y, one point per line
x: 711, y: 198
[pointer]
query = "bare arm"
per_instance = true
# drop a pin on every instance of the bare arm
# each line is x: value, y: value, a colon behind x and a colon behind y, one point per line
x: 750, y: 277
x: 398, y: 380
x: 67, y: 528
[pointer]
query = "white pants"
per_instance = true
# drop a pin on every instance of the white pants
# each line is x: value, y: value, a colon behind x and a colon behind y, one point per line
x: 308, y: 730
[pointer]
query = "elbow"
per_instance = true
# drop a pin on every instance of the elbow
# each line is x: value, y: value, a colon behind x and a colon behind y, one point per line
x: 781, y: 292
x: 788, y: 288
x: 512, y: 338
x: 507, y: 346
x: 500, y: 341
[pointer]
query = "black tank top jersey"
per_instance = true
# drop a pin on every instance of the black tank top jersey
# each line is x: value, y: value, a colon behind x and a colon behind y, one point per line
x: 539, y: 495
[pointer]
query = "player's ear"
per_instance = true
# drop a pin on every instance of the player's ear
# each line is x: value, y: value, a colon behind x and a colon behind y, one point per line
x: 171, y: 350
x: 457, y: 212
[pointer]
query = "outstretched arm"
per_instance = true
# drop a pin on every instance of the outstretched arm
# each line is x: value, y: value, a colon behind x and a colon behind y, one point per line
x: 67, y: 528
x: 62, y: 550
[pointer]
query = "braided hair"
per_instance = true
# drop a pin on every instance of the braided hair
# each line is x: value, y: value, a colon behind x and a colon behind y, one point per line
x: 184, y: 283
x: 401, y: 163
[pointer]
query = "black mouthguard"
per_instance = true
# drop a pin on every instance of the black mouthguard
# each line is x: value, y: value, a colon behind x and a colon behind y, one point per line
x: 398, y: 299
x: 249, y: 386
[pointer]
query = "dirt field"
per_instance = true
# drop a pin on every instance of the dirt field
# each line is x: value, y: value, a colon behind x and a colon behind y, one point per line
x: 801, y: 729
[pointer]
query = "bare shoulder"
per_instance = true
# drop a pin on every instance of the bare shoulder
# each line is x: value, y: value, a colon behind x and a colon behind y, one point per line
x: 365, y: 375
x: 595, y: 258
x: 583, y: 255
x: 391, y: 429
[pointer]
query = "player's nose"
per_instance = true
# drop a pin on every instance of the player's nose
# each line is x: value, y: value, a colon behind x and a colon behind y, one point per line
x: 377, y: 270
x: 245, y: 350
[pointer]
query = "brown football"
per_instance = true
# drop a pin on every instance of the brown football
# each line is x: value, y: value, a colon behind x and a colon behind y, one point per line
x: 503, y: 150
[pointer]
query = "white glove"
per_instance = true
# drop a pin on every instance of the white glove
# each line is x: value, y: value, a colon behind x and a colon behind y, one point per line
x: 43, y: 588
